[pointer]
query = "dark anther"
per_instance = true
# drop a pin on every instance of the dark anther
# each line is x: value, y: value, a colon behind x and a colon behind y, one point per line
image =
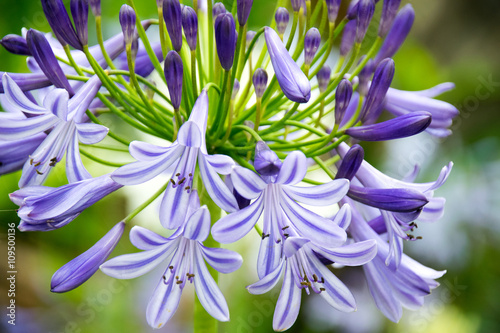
x: 171, y: 267
x: 187, y: 188
x: 38, y: 172
x: 173, y: 182
x: 179, y: 282
x: 284, y: 228
x: 190, y: 175
x: 315, y: 278
x: 286, y: 235
x: 37, y: 164
x: 322, y: 289
x: 264, y: 236
x: 419, y: 237
x: 182, y: 180
x: 322, y: 280
x: 177, y: 174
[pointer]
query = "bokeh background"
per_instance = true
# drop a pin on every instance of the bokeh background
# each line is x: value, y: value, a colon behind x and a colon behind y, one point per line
x: 452, y: 40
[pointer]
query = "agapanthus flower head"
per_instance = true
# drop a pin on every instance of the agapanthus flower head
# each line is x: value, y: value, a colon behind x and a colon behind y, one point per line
x: 282, y: 17
x: 343, y: 96
x: 243, y: 9
x: 79, y: 270
x: 333, y: 7
x: 311, y: 44
x: 225, y: 39
x: 186, y: 264
x: 59, y: 21
x: 190, y: 26
x: 172, y: 15
x: 15, y: 44
x: 173, y: 70
x: 80, y: 13
x: 259, y: 80
x: 293, y: 82
x: 127, y: 21
x: 366, y: 8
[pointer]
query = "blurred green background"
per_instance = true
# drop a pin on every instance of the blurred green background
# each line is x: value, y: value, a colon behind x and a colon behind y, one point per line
x: 451, y: 40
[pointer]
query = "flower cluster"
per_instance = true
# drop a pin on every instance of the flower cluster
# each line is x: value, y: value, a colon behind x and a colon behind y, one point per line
x: 242, y: 127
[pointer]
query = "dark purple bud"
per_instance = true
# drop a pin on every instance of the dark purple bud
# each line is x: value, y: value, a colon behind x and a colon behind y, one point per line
x: 398, y: 33
x: 351, y: 162
x: 173, y: 75
x: 352, y: 11
x: 80, y: 13
x: 190, y: 26
x: 380, y: 84
x: 343, y: 96
x: 244, y: 7
x: 389, y: 11
x: 366, y: 9
x: 172, y: 15
x: 296, y: 4
x: 348, y: 38
x: 393, y: 199
x: 282, y: 18
x: 225, y: 39
x: 59, y: 21
x: 15, y: 44
x: 80, y: 269
x: 127, y: 21
x: 323, y: 77
x: 39, y: 47
x: 236, y: 88
x: 266, y: 162
x: 333, y: 9
x: 400, y: 127
x: 250, y: 35
x: 351, y: 109
x: 217, y: 10
x: 260, y: 82
x: 311, y: 44
x: 95, y: 7
x: 365, y: 76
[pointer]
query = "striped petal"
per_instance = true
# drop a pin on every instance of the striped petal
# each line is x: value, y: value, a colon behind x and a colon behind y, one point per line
x: 319, y: 195
x: 293, y: 170
x: 247, y: 183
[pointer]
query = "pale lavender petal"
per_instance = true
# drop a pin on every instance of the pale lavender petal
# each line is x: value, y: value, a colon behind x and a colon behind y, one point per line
x: 319, y: 195
x: 79, y: 103
x: 355, y: 254
x: 199, y: 115
x: 247, y: 183
x: 207, y: 290
x: 288, y: 304
x: 197, y: 226
x: 234, y: 226
x: 174, y: 206
x: 163, y: 304
x: 222, y: 260
x: 343, y: 217
x: 293, y: 244
x: 268, y: 282
x: 89, y: 133
x: 189, y: 135
x: 75, y: 171
x: 145, y: 239
x: 143, y: 151
x: 18, y: 196
x: 13, y: 154
x: 433, y: 211
x: 222, y: 164
x: 436, y: 90
x: 57, y: 103
x: 14, y: 129
x: 17, y: 97
x: 293, y: 170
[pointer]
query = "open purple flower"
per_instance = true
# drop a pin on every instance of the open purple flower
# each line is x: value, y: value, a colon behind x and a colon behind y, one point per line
x: 43, y: 208
x: 187, y: 263
x: 64, y: 118
x: 304, y: 270
x: 275, y: 196
x: 188, y: 150
x: 393, y: 288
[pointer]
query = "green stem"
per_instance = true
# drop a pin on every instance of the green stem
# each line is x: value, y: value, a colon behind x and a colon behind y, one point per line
x: 145, y: 203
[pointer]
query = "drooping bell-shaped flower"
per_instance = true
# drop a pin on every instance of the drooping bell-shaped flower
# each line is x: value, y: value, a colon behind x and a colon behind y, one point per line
x: 343, y: 96
x: 15, y: 44
x: 59, y: 21
x: 127, y: 22
x: 259, y: 80
x: 44, y: 208
x: 380, y: 85
x: 293, y: 82
x: 311, y: 44
x: 80, y: 13
x: 187, y: 151
x: 243, y: 10
x: 174, y: 76
x: 190, y: 26
x: 366, y: 9
x: 225, y: 39
x: 79, y: 270
x: 172, y: 15
x: 282, y: 17
x: 187, y: 257
x: 389, y: 11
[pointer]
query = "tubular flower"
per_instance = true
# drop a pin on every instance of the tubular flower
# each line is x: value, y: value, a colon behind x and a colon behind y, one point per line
x: 186, y: 264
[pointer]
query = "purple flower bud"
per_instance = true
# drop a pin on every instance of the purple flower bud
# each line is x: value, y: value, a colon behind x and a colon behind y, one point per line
x: 173, y: 75
x: 351, y: 109
x: 343, y: 96
x: 39, y: 47
x: 172, y: 15
x: 293, y: 82
x: 80, y: 13
x: 366, y: 9
x: 389, y: 10
x: 296, y: 4
x: 127, y: 21
x: 250, y: 35
x: 323, y: 77
x: 225, y: 39
x: 400, y: 127
x: 236, y: 88
x: 244, y: 7
x: 381, y: 81
x: 397, y: 35
x: 95, y: 6
x: 59, y: 21
x: 80, y: 269
x: 266, y: 162
x: 259, y: 82
x: 402, y: 200
x: 217, y: 10
x: 333, y: 9
x: 15, y: 44
x: 348, y: 38
x: 364, y: 76
x: 282, y: 18
x: 351, y: 162
x: 352, y: 11
x: 311, y: 44
x: 190, y: 26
